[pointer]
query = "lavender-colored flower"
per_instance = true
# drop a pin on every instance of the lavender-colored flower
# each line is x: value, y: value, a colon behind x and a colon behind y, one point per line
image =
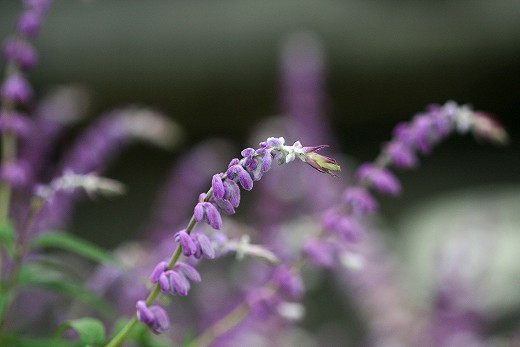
x: 381, y: 179
x: 204, y: 246
x: 401, y: 156
x: 187, y: 270
x: 320, y: 253
x: 359, y: 200
x: 15, y: 173
x: 188, y: 246
x: 29, y: 23
x: 157, y: 271
x: 154, y: 316
x: 16, y: 89
x: 206, y: 211
x: 237, y: 172
x: 289, y: 283
x: 218, y: 187
x: 15, y: 122
x: 20, y: 52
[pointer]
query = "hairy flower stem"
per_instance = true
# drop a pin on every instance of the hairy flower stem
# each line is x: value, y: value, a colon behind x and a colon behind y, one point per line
x: 156, y: 289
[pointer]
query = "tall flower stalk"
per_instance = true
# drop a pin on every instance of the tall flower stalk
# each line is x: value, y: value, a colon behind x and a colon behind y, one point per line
x: 172, y: 276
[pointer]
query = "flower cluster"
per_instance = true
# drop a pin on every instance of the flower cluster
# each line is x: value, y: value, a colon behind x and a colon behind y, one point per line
x: 410, y: 139
x: 224, y: 196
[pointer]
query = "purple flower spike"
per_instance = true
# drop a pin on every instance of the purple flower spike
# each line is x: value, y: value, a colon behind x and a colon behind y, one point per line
x: 159, y: 269
x: 213, y: 217
x: 154, y: 316
x: 16, y: 88
x: 187, y: 244
x: 359, y: 200
x: 218, y: 187
x: 189, y: 271
x: 379, y: 178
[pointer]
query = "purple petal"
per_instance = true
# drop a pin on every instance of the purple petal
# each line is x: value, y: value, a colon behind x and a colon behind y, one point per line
x: 232, y: 192
x: 206, y: 246
x: 218, y: 187
x: 189, y: 271
x: 198, y: 212
x: 266, y: 162
x: 144, y: 315
x: 159, y: 269
x: 225, y: 206
x: 162, y: 322
x: 187, y: 244
x: 164, y: 283
x: 244, y: 178
x: 179, y: 283
x: 212, y: 215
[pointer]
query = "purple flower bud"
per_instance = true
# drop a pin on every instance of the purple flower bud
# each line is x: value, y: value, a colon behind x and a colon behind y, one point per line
x: 16, y: 89
x: 16, y: 123
x: 162, y: 322
x: 225, y: 206
x: 144, y: 315
x: 187, y: 270
x: 38, y: 5
x: 205, y: 246
x: 248, y: 152
x: 198, y: 212
x: 187, y: 244
x: 274, y: 142
x: 421, y: 129
x: 16, y: 173
x: 233, y: 162
x: 154, y: 316
x: 359, y: 200
x: 213, y: 217
x: 178, y: 283
x: 379, y: 178
x: 232, y: 192
x: 289, y: 283
x: 401, y: 156
x: 266, y: 162
x: 29, y: 23
x: 348, y: 229
x: 218, y: 187
x: 164, y: 283
x: 20, y: 52
x: 244, y: 178
x: 159, y: 269
x: 320, y: 253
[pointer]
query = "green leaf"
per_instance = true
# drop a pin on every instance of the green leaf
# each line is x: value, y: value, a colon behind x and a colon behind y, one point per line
x: 36, y: 275
x: 73, y: 244
x: 7, y: 237
x: 90, y: 331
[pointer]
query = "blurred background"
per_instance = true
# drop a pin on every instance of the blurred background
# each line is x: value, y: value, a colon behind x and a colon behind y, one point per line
x: 214, y: 67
